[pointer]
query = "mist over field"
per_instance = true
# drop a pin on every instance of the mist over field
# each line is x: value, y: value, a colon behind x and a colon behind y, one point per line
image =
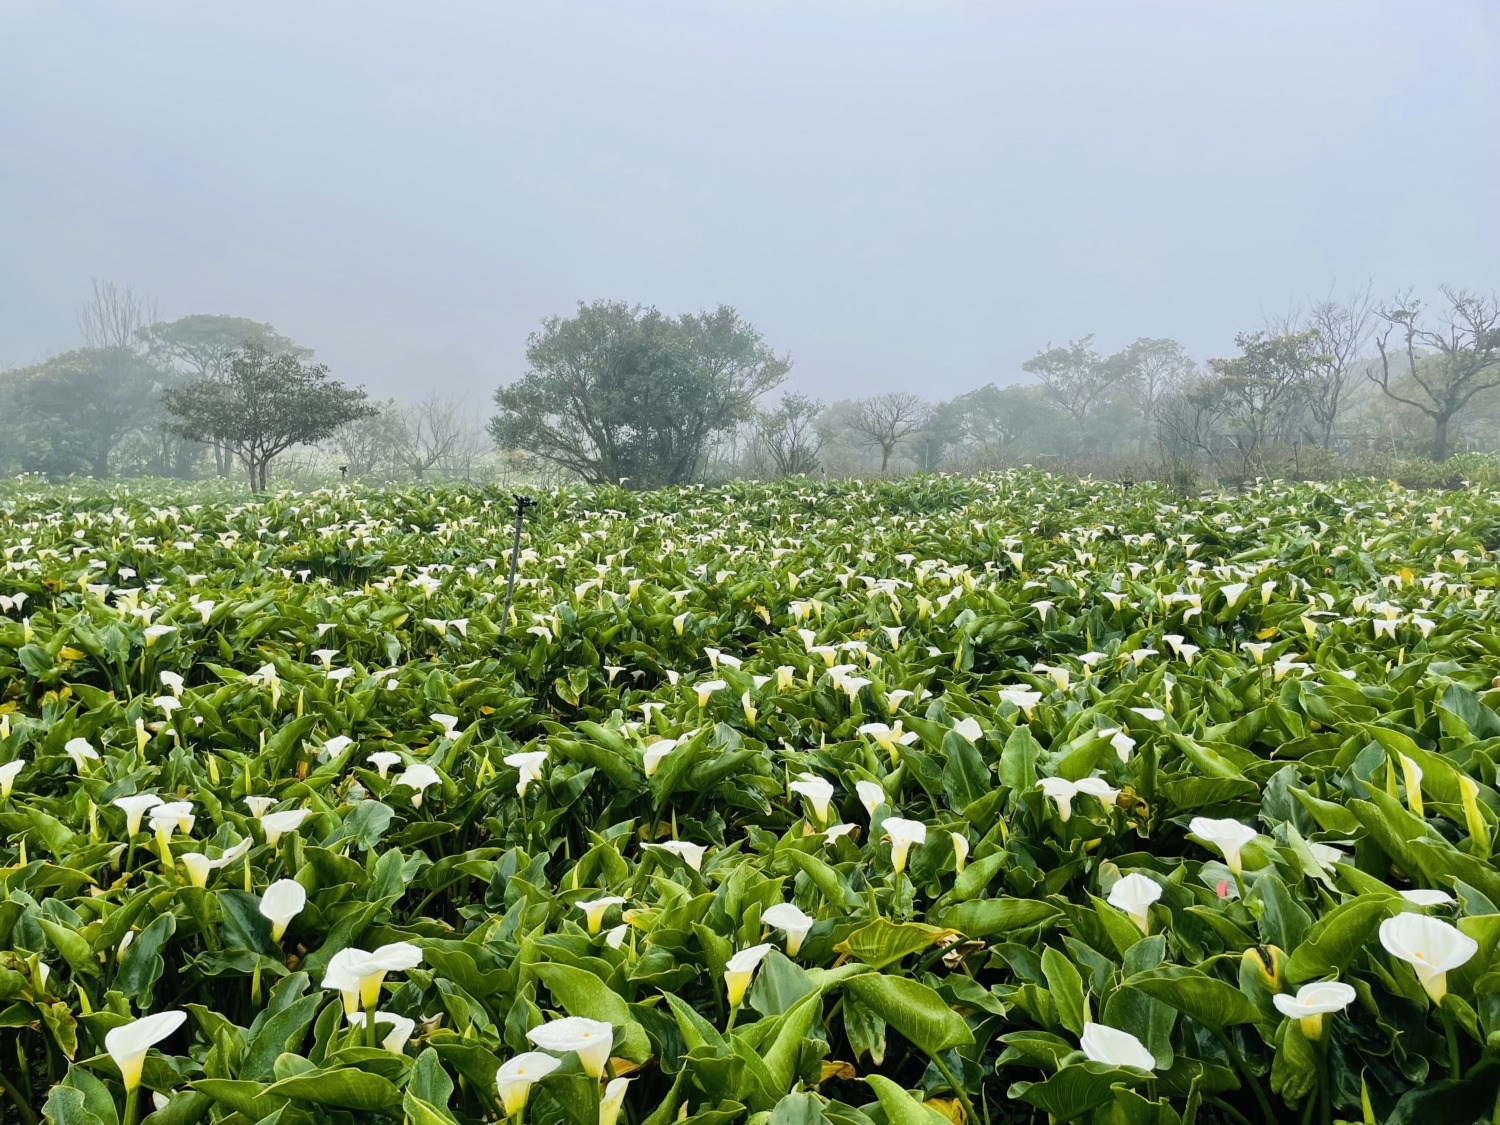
x: 902, y: 196
x: 749, y: 562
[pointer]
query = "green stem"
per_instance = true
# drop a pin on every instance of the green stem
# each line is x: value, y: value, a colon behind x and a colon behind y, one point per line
x: 132, y: 1105
x: 27, y: 1114
x: 734, y: 1012
x: 1267, y: 1113
x: 1452, y: 1034
x: 1325, y: 1078
x: 959, y: 1091
x: 1223, y: 1106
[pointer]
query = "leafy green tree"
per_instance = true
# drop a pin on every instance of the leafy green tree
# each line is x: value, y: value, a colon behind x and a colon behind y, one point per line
x: 1082, y: 383
x: 620, y: 393
x: 262, y: 405
x: 1264, y: 387
x: 76, y: 408
x: 1464, y: 345
x: 200, y: 347
x: 996, y: 424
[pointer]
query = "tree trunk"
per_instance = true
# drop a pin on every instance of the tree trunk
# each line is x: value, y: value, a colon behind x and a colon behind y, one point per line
x: 885, y: 458
x: 1440, y: 438
x: 254, y: 478
x: 265, y: 466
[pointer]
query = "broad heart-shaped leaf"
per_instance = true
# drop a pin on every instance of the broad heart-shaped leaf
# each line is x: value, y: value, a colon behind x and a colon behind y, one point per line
x: 1449, y: 1100
x: 900, y: 1107
x: 1285, y: 921
x: 986, y: 917
x: 240, y: 1095
x: 1073, y: 1091
x: 798, y: 1109
x: 913, y: 1009
x: 341, y: 1088
x: 1294, y: 1064
x: 364, y: 825
x: 73, y: 948
x: 185, y: 1107
x: 244, y: 926
x: 68, y: 1106
x: 419, y: 1112
x: 1206, y: 999
x: 823, y: 876
x: 94, y: 1098
x: 1018, y: 761
x: 779, y: 983
x: 141, y: 965
x: 965, y: 776
x: 429, y: 1081
x: 1338, y: 937
x: 882, y: 942
x: 610, y: 763
x: 786, y: 1046
x: 581, y: 993
x: 1066, y: 986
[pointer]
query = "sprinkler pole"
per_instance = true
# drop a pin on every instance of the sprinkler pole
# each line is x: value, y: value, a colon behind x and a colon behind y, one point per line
x: 522, y: 503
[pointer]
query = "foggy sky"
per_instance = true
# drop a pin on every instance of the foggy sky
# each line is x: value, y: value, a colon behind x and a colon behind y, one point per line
x: 903, y: 195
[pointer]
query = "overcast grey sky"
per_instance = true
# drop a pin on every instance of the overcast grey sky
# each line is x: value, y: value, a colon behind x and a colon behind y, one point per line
x: 914, y: 195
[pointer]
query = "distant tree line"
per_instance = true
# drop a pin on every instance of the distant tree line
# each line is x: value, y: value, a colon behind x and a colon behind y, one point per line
x: 622, y: 394
x: 210, y: 395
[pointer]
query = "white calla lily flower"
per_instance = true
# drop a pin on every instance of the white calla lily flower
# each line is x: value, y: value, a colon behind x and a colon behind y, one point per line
x: 1113, y: 1047
x: 135, y: 808
x: 740, y: 968
x: 398, y: 1029
x: 817, y: 791
x: 1229, y: 836
x: 275, y: 824
x: 903, y: 834
x: 1134, y: 894
x: 788, y: 917
x: 282, y: 901
x: 1312, y: 1002
x: 1432, y: 947
x: 128, y: 1044
x: 514, y: 1078
x: 530, y: 766
x: 590, y: 1040
x: 594, y: 910
x: 612, y: 1099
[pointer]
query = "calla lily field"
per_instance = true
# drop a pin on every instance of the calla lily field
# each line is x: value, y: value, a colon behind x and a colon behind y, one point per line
x: 941, y: 801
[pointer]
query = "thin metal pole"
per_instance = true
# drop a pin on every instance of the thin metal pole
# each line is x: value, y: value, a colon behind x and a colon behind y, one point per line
x: 522, y: 503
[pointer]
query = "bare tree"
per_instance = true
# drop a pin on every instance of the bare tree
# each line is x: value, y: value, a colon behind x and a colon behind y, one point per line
x: 884, y: 421
x: 374, y: 442
x: 1156, y: 369
x: 1340, y: 331
x: 116, y: 317
x: 1464, y: 342
x: 433, y: 428
x: 791, y: 434
x: 1189, y: 419
x: 474, y: 441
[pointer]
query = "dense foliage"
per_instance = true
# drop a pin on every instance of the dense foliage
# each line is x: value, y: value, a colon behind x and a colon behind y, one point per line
x: 985, y: 800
